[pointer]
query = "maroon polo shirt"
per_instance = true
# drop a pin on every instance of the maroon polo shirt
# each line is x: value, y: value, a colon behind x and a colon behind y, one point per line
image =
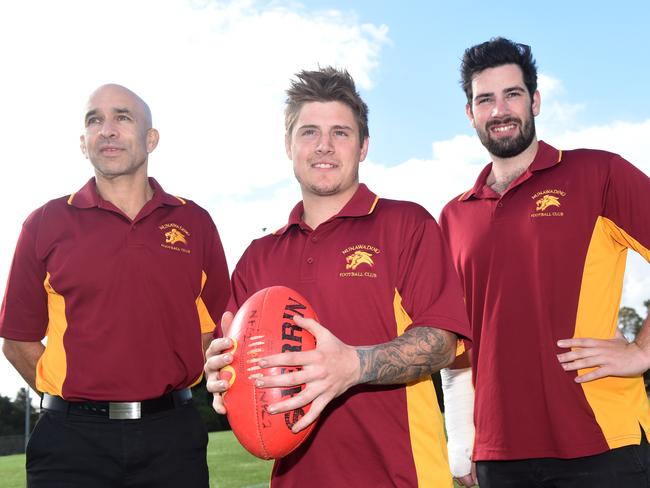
x: 542, y: 262
x: 123, y: 303
x: 371, y: 272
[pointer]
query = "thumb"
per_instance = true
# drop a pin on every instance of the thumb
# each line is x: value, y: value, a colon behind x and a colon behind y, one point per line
x: 310, y: 325
x: 226, y: 323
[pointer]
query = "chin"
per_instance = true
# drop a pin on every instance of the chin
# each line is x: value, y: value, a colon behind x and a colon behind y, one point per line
x: 324, y: 191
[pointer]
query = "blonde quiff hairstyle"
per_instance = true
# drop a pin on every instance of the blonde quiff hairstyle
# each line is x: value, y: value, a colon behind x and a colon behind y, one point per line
x: 325, y: 85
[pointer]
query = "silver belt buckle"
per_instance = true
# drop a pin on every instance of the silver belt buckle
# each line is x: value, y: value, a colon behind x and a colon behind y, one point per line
x: 124, y: 410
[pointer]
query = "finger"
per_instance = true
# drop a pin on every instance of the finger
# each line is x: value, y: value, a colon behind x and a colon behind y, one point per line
x: 567, y: 357
x: 304, y: 422
x: 579, y: 342
x: 217, y: 404
x: 592, y: 362
x: 292, y: 378
x: 217, y: 385
x: 310, y: 325
x: 289, y: 359
x: 217, y: 346
x: 310, y: 417
x: 226, y: 323
x: 467, y: 481
x: 297, y: 401
x: 592, y: 375
x: 217, y: 362
x: 591, y: 343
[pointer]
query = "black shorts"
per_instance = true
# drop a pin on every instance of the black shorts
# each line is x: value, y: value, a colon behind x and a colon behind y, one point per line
x: 167, y: 449
x: 624, y: 467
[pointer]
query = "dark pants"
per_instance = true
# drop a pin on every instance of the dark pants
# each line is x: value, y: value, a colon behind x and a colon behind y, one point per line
x: 625, y: 467
x: 167, y: 449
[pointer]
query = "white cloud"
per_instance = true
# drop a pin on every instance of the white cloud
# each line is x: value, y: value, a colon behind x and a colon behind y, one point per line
x: 214, y: 74
x: 557, y: 115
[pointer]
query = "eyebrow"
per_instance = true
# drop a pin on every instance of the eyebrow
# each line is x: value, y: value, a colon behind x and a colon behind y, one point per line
x: 119, y: 110
x: 516, y: 88
x: 89, y: 114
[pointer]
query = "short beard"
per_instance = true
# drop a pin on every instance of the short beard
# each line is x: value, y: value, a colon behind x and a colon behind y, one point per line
x: 324, y: 191
x: 508, y: 148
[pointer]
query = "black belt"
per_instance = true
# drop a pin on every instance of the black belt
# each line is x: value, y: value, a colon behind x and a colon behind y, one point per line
x: 119, y: 410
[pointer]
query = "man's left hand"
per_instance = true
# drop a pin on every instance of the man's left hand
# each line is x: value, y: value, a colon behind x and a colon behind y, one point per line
x: 327, y: 372
x: 609, y: 357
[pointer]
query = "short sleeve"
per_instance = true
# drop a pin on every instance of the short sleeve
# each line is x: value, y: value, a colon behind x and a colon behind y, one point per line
x: 627, y: 206
x: 428, y: 284
x: 24, y: 316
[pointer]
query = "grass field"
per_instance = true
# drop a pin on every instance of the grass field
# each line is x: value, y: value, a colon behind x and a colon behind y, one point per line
x: 230, y: 466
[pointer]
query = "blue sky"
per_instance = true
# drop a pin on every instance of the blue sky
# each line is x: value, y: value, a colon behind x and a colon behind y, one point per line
x: 596, y: 51
x: 214, y: 73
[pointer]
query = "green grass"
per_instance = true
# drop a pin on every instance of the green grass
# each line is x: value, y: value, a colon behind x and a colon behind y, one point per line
x: 231, y: 466
x: 12, y: 471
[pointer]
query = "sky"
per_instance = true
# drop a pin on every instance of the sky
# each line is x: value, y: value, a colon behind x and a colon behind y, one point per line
x: 214, y: 75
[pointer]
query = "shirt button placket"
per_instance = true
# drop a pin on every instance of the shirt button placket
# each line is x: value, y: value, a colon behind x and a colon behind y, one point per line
x: 308, y: 267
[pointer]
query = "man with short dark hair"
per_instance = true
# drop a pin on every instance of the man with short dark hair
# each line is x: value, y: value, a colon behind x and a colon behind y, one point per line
x: 540, y: 244
x: 126, y: 281
x: 389, y: 319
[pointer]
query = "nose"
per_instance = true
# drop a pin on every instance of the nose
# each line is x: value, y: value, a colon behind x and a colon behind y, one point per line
x: 325, y: 144
x: 108, y: 130
x: 500, y: 107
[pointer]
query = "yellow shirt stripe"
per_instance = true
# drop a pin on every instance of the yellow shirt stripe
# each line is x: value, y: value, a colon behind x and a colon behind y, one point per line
x: 426, y: 425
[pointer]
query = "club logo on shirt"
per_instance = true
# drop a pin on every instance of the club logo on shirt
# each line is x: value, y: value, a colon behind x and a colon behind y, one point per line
x: 358, y: 258
x: 359, y: 261
x: 176, y: 237
x: 548, y: 203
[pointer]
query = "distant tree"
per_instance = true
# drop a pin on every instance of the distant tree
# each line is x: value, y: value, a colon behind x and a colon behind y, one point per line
x: 12, y: 414
x: 629, y: 322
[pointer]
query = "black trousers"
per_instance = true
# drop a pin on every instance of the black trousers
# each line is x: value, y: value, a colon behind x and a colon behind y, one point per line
x: 624, y: 467
x: 167, y: 449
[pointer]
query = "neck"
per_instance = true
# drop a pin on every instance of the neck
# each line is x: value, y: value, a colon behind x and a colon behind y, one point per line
x: 506, y: 170
x: 127, y: 194
x: 320, y: 208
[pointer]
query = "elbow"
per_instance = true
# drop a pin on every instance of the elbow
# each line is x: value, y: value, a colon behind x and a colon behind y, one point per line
x: 451, y: 356
x: 9, y: 350
x: 6, y: 349
x: 450, y: 350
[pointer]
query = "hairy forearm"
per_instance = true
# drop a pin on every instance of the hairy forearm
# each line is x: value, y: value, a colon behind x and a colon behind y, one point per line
x: 24, y: 356
x: 418, y: 352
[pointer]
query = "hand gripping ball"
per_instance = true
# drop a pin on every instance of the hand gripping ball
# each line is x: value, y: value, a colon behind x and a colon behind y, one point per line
x: 264, y: 325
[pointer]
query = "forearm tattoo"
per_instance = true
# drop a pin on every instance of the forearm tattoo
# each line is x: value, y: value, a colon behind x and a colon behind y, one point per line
x: 418, y: 352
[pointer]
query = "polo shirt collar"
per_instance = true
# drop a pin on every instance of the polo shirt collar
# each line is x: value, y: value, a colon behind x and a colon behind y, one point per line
x: 546, y: 157
x: 87, y: 196
x: 363, y: 202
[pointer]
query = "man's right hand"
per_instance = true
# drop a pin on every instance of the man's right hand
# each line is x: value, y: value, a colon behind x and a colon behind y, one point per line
x: 215, y: 360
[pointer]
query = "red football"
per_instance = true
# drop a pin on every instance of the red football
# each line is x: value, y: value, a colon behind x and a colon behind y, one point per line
x: 263, y: 326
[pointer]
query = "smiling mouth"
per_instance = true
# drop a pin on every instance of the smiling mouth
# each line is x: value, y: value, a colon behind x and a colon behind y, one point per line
x: 324, y: 165
x: 504, y: 128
